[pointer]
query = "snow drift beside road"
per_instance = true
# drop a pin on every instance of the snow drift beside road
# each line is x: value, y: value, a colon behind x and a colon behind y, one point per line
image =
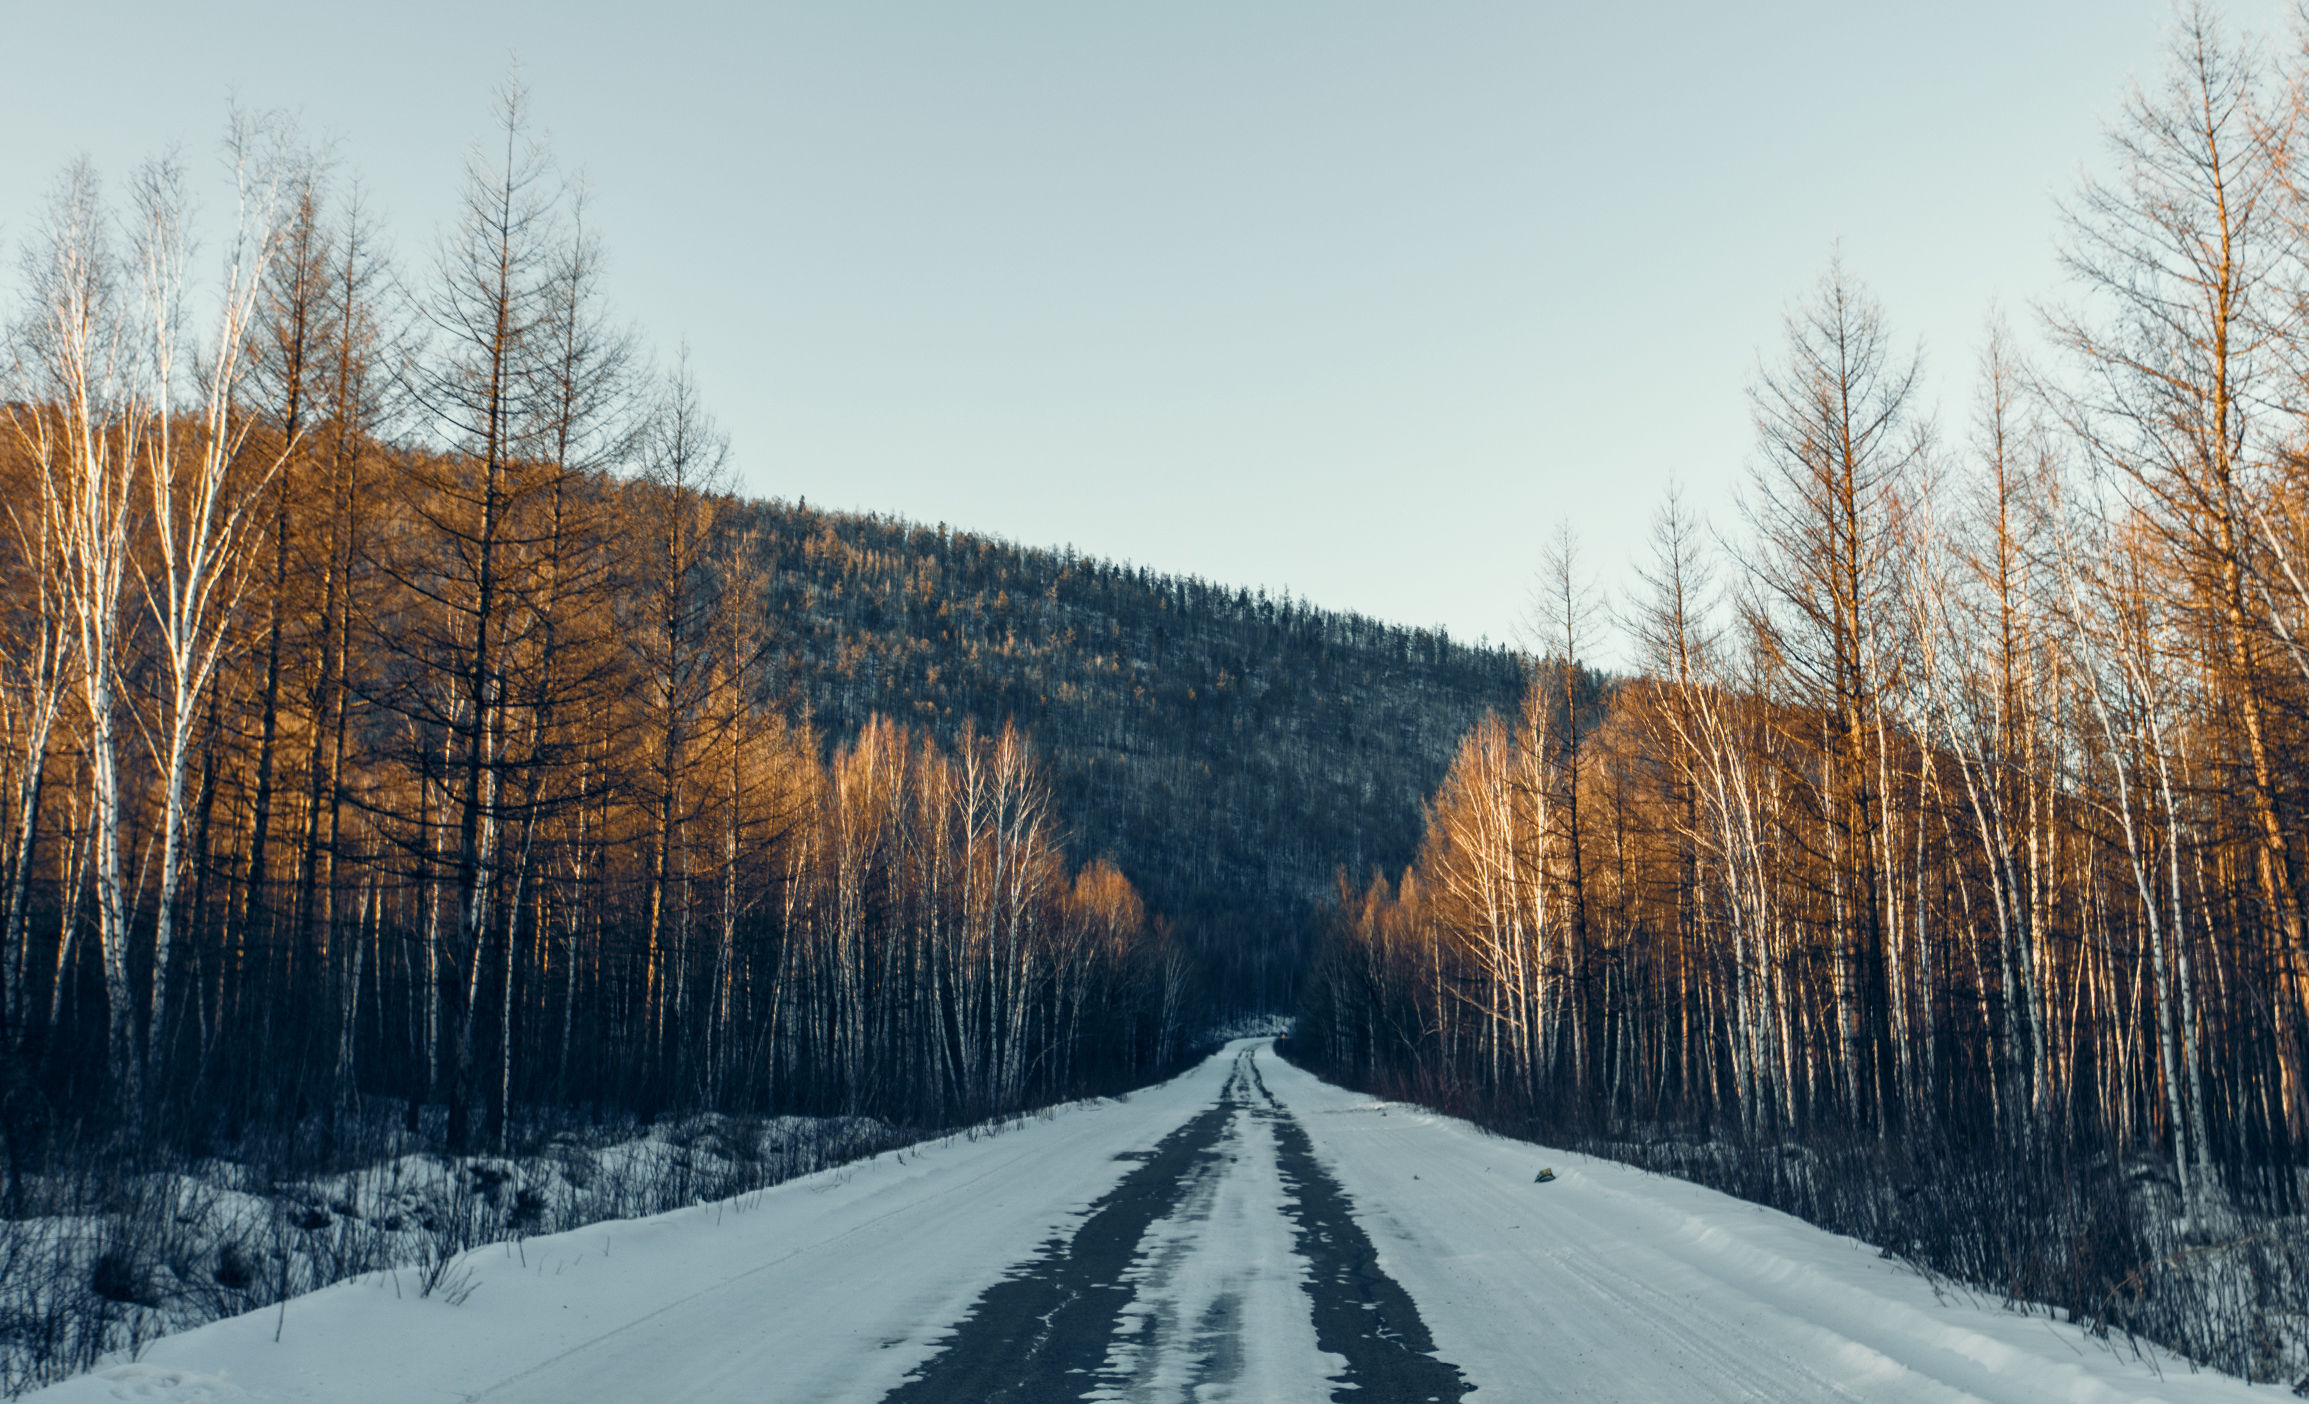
x: 1611, y: 1283
x: 828, y: 1287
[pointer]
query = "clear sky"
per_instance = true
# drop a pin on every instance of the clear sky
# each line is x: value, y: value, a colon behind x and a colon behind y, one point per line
x: 1353, y: 298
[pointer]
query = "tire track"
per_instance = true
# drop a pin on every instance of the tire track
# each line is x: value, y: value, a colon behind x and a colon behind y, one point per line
x: 1360, y: 1311
x: 1049, y: 1331
x: 1042, y: 1333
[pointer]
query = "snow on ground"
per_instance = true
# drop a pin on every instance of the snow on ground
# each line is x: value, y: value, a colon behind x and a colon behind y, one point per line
x: 1607, y: 1283
x: 107, y: 1263
x: 830, y: 1287
x: 1610, y: 1283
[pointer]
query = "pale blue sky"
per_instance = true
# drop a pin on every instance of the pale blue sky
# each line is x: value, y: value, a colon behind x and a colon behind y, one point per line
x: 1352, y: 298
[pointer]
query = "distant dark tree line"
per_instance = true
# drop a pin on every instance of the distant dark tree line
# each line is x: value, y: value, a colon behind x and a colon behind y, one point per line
x: 1229, y: 750
x: 391, y: 704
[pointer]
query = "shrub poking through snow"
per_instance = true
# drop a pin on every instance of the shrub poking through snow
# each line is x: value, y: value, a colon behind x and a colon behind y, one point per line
x: 95, y: 1260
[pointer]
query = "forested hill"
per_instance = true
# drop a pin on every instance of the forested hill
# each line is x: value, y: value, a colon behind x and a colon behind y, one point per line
x: 1229, y: 750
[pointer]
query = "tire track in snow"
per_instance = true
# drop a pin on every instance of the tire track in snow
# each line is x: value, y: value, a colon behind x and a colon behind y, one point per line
x: 1360, y: 1311
x: 1041, y: 1333
x: 1221, y: 1313
x: 1098, y: 1315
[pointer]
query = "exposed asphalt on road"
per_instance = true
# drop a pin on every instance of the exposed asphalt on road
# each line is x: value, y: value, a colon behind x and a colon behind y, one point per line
x: 1063, y: 1326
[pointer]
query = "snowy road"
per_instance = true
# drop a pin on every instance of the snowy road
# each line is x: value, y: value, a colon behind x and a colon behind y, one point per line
x: 1242, y: 1233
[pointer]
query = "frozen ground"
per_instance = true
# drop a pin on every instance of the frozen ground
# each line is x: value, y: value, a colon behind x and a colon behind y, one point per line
x: 1244, y: 1232
x: 103, y: 1261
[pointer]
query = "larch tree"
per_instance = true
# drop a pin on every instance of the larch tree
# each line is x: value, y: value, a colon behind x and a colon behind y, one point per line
x: 477, y: 386
x: 1839, y: 453
x: 2184, y: 334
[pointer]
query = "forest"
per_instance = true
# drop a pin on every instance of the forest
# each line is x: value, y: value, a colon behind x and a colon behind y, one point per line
x: 1229, y: 751
x: 1938, y: 874
x: 400, y: 704
x: 410, y: 741
x: 395, y: 714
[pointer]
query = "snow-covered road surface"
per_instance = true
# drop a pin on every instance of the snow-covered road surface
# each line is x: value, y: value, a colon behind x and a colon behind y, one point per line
x: 1244, y: 1232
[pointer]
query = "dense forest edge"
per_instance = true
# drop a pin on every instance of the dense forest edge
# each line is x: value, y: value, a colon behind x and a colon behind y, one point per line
x: 1938, y: 876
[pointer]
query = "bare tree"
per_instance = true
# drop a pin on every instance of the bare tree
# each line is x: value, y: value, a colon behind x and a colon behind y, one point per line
x: 2184, y: 337
x: 87, y: 447
x: 202, y: 494
x: 684, y: 477
x: 1840, y: 451
x: 489, y: 311
x: 38, y: 656
x: 1567, y: 611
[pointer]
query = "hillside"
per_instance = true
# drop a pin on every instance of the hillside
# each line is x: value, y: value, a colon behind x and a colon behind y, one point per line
x: 1230, y: 751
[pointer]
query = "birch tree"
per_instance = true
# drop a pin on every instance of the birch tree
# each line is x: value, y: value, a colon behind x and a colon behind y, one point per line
x: 202, y: 493
x: 88, y: 440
